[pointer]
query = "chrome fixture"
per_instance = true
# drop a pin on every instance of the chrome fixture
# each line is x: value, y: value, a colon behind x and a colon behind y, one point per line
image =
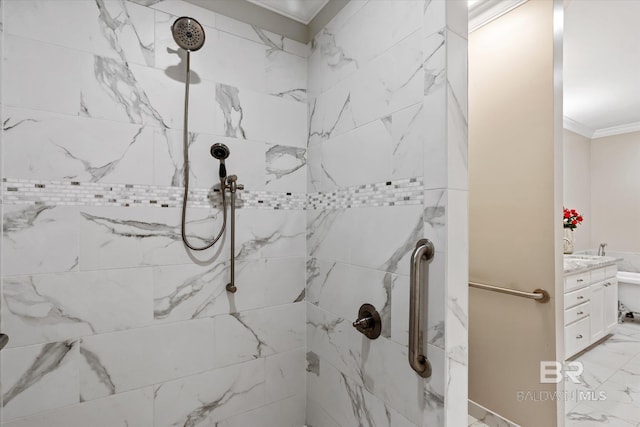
x: 369, y: 322
x: 188, y: 33
x: 233, y: 186
x: 4, y: 339
x: 540, y: 295
x: 422, y: 254
x: 190, y: 36
x: 601, y: 249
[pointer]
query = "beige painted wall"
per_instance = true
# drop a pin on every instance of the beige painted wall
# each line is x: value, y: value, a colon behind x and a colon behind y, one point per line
x: 515, y: 200
x: 615, y: 191
x: 577, y: 184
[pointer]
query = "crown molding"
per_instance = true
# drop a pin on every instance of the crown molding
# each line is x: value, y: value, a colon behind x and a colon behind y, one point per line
x: 577, y: 127
x: 587, y: 132
x: 616, y: 130
x: 484, y: 11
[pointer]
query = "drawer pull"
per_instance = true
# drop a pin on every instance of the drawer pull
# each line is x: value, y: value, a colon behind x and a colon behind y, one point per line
x: 580, y: 312
x: 579, y: 337
x: 607, y: 284
x: 580, y: 280
x: 580, y: 297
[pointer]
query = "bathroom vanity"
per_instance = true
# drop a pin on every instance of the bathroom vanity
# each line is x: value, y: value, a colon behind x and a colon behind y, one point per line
x: 590, y: 300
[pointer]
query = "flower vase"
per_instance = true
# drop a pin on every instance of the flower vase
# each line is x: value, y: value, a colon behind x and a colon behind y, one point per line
x: 567, y: 240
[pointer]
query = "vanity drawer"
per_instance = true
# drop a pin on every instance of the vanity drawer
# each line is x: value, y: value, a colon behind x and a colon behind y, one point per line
x: 577, y: 336
x: 576, y: 313
x: 610, y: 271
x: 577, y: 297
x: 576, y: 281
x: 598, y: 275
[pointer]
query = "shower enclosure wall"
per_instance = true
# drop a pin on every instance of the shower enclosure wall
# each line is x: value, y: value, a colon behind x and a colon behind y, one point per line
x: 351, y: 149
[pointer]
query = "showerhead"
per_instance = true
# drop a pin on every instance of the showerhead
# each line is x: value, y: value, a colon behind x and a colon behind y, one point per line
x: 221, y: 152
x: 188, y: 33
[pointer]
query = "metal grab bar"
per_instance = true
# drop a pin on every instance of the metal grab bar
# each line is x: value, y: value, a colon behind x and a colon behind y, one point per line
x: 540, y: 295
x: 4, y: 339
x: 424, y: 251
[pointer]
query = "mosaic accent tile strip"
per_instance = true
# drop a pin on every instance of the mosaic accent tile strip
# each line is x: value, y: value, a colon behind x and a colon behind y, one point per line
x: 408, y: 191
x: 73, y: 193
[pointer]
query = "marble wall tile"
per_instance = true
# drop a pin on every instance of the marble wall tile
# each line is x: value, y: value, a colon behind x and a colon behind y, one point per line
x: 457, y: 143
x: 134, y: 408
x: 390, y: 82
x: 259, y: 333
x: 316, y: 416
x: 42, y: 145
x: 115, y: 29
x: 408, y: 129
x: 204, y: 399
x: 434, y: 15
x: 245, y: 114
x: 121, y: 237
x: 286, y: 169
x: 114, y: 237
x: 260, y: 65
x: 434, y: 105
x: 339, y: 289
x: 55, y: 307
x: 379, y: 366
x: 138, y: 94
x: 190, y: 291
x: 326, y: 230
x: 284, y: 413
x: 435, y: 218
x: 285, y: 375
x: 43, y: 76
x: 383, y: 237
x: 253, y: 33
x: 347, y: 46
x: 126, y: 360
x: 315, y: 173
x: 370, y: 146
x: 348, y: 402
x: 39, y: 239
x: 330, y: 113
x: 247, y: 160
x: 457, y: 304
x: 262, y: 233
x: 40, y: 377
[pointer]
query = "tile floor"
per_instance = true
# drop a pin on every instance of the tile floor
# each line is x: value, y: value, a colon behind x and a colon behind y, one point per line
x: 612, y: 370
x: 475, y: 423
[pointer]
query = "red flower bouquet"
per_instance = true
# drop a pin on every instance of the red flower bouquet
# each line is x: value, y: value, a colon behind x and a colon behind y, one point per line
x: 571, y: 218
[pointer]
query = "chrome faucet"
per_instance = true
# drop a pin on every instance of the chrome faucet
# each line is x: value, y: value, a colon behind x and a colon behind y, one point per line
x: 601, y: 249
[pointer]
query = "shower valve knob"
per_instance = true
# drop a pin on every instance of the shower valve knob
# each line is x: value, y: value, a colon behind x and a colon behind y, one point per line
x: 368, y: 322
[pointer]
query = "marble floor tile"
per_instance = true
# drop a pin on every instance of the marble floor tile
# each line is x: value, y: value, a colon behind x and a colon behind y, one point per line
x: 611, y: 370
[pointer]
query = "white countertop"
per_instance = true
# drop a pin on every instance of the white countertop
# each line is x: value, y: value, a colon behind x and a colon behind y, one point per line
x: 579, y: 263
